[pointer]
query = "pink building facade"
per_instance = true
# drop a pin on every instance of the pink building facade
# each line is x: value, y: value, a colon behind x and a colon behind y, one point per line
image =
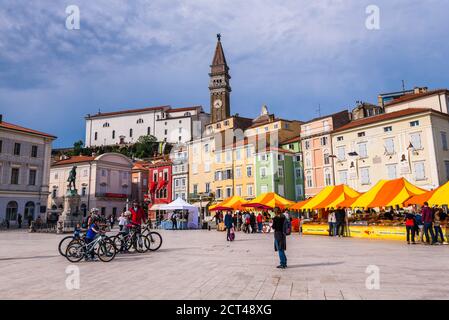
x: 316, y: 144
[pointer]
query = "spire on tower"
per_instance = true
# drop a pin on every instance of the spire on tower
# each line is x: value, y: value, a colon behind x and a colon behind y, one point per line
x: 219, y: 61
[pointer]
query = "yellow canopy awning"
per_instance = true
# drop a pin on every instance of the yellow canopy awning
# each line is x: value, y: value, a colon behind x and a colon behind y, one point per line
x: 331, y: 197
x: 232, y: 203
x: 437, y: 197
x: 269, y: 200
x: 388, y: 193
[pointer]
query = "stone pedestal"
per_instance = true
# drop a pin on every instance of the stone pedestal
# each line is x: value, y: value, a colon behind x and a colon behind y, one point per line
x: 71, y: 214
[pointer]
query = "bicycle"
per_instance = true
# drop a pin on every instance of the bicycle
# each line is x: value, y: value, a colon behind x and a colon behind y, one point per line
x: 130, y: 242
x: 266, y: 227
x: 102, y: 246
x: 65, y: 242
x: 155, y: 239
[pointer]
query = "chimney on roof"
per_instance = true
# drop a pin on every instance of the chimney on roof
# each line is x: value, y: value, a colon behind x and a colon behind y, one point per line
x: 420, y: 89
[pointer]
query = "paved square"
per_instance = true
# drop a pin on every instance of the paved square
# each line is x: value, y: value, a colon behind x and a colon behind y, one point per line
x: 202, y: 265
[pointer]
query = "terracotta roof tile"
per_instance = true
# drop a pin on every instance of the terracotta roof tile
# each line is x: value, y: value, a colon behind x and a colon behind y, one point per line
x: 291, y: 140
x: 184, y: 109
x: 414, y: 96
x: 107, y: 114
x: 385, y: 116
x: 11, y: 126
x: 73, y: 160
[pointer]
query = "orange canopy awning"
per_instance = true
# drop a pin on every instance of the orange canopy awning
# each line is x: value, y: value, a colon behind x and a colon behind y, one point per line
x: 329, y: 197
x: 232, y: 203
x: 439, y: 196
x: 268, y: 201
x: 388, y: 193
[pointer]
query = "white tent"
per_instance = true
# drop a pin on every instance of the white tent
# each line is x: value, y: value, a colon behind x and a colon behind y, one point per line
x: 180, y: 204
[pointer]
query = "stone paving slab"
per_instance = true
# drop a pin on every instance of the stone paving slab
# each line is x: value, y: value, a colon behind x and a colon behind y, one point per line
x: 201, y: 264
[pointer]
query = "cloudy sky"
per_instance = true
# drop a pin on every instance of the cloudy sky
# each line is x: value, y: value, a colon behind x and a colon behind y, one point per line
x: 292, y: 55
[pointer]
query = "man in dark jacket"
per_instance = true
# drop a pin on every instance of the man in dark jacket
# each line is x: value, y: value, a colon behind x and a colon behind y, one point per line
x: 427, y: 218
x: 340, y: 217
x: 280, y: 238
x: 229, y: 223
x: 252, y: 220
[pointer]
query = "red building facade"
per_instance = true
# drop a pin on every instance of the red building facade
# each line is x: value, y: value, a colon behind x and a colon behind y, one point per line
x: 159, y: 186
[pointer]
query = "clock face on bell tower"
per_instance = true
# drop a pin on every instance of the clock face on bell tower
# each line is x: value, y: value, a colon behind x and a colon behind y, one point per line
x: 219, y: 85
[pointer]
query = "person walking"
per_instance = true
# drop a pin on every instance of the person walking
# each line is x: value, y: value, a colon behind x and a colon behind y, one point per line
x: 229, y: 223
x: 410, y: 223
x: 19, y: 220
x: 340, y: 217
x: 122, y: 221
x: 437, y: 226
x: 173, y: 221
x: 247, y: 222
x: 111, y: 221
x: 252, y: 220
x: 332, y: 223
x: 259, y: 222
x: 419, y: 229
x: 427, y: 218
x: 280, y: 237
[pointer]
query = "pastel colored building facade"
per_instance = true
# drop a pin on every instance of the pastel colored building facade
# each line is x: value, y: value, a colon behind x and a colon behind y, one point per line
x: 160, y: 185
x: 275, y: 172
x: 316, y: 144
x: 25, y: 156
x: 139, y: 178
x: 410, y: 143
x: 294, y: 145
x: 103, y: 182
x: 180, y: 172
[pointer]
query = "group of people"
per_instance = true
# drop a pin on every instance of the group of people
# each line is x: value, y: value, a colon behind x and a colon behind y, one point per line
x: 337, y: 220
x: 281, y: 225
x: 96, y: 223
x: 426, y: 222
x: 248, y: 222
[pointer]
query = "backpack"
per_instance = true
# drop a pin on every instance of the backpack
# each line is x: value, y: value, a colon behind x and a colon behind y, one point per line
x: 84, y: 223
x: 287, y: 227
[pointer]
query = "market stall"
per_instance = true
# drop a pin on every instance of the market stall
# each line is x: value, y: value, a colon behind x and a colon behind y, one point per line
x: 376, y: 214
x: 189, y: 212
x: 231, y: 204
x: 269, y: 201
x: 437, y: 197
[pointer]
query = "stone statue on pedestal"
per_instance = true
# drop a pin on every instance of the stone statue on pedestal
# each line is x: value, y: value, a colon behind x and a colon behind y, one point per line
x: 70, y: 214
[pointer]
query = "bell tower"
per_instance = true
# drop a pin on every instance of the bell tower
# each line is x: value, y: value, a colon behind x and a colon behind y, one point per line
x: 220, y: 106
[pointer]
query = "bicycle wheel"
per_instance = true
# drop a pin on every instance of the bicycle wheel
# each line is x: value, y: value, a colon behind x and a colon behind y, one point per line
x: 118, y: 243
x: 106, y: 250
x: 75, y: 251
x: 155, y: 241
x: 63, y: 244
x: 140, y: 244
